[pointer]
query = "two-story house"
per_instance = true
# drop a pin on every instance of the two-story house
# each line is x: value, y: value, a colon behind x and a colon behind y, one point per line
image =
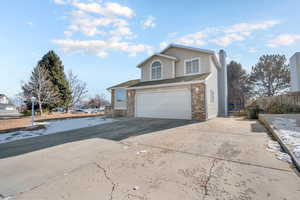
x: 180, y: 82
x: 5, y: 104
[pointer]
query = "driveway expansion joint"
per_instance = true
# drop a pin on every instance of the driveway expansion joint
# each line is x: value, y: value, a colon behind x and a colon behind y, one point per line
x: 214, y: 157
x: 114, y: 185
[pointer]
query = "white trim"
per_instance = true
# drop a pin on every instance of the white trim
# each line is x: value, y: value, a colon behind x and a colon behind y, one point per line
x: 187, y: 47
x: 189, y: 60
x: 165, y: 85
x: 113, y: 88
x: 161, y: 71
x: 116, y: 99
x: 206, y: 101
x: 165, y: 56
x: 159, y: 55
x: 173, y: 69
x: 208, y: 77
x: 120, y: 108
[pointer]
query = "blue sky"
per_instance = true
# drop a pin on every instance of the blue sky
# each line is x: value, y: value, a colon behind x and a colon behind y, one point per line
x: 103, y: 41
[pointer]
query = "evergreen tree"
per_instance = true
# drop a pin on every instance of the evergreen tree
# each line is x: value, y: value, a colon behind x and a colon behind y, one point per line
x: 271, y: 75
x: 52, y: 63
x: 239, y: 85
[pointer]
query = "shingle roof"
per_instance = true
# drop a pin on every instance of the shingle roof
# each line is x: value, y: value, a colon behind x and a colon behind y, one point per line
x: 180, y: 79
x: 187, y: 47
x: 126, y: 84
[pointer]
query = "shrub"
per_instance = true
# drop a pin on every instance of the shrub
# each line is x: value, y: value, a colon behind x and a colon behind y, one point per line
x: 26, y: 112
x: 253, y: 111
x: 276, y: 108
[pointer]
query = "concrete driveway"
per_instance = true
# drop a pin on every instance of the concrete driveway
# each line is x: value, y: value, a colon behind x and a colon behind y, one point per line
x: 223, y: 158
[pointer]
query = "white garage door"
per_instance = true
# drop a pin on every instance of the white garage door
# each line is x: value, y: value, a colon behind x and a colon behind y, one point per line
x: 171, y: 103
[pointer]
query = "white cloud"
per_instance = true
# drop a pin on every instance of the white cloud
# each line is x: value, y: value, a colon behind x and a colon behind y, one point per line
x: 60, y: 2
x: 30, y: 24
x: 193, y: 39
x: 283, y: 40
x: 101, y: 47
x: 110, y: 21
x: 252, y: 50
x: 228, y: 39
x: 163, y: 45
x: 110, y: 9
x: 224, y: 36
x: 149, y: 22
x: 247, y: 27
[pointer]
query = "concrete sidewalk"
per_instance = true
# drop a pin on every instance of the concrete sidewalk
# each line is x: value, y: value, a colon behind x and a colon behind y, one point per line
x: 223, y: 158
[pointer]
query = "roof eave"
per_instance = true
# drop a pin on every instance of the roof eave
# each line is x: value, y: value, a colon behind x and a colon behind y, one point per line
x: 159, y: 55
x: 165, y: 85
x: 187, y: 47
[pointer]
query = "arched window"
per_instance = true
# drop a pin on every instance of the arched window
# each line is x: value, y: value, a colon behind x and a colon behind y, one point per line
x: 156, y: 70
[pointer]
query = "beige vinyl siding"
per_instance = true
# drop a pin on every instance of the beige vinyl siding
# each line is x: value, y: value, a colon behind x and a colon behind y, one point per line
x: 212, y: 86
x: 185, y: 54
x: 167, y: 68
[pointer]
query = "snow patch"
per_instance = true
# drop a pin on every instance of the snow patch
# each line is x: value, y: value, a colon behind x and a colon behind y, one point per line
x: 289, y: 133
x: 274, y: 146
x: 54, y: 126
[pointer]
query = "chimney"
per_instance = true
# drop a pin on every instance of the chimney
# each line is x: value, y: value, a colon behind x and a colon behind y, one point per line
x: 222, y: 85
x: 295, y: 72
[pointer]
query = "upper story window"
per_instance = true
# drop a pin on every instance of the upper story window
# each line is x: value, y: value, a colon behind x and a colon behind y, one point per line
x: 156, y: 70
x: 120, y: 95
x: 192, y: 66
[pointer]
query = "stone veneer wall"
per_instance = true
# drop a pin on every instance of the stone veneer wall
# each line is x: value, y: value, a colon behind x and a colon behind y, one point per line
x: 120, y: 113
x: 198, y: 101
x: 130, y: 103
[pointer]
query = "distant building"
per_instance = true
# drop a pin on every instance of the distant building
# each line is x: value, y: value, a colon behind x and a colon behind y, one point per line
x: 4, y: 99
x: 295, y: 72
x: 5, y: 104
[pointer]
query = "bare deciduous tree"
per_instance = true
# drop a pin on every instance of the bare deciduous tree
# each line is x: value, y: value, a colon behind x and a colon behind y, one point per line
x: 77, y: 87
x: 40, y: 87
x: 98, y: 101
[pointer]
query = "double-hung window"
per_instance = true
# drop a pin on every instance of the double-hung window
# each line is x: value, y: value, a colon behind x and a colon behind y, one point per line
x: 156, y: 70
x: 120, y: 95
x: 192, y: 66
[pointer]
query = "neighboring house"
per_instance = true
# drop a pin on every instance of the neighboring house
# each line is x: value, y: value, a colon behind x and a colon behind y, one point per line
x: 180, y: 82
x: 295, y: 72
x: 4, y: 99
x: 5, y: 105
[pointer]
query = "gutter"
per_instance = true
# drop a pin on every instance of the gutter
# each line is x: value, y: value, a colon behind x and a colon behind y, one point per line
x: 167, y: 84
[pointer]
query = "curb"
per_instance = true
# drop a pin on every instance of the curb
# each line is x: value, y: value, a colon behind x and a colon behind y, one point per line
x: 275, y: 133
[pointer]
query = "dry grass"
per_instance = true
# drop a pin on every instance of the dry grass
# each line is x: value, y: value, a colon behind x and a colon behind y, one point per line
x: 23, y: 122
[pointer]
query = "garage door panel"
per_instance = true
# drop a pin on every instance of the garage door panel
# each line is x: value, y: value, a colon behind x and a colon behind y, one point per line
x: 174, y: 104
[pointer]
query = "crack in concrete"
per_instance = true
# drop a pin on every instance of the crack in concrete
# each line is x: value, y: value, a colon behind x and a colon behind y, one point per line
x: 114, y: 185
x: 205, y: 185
x: 218, y: 158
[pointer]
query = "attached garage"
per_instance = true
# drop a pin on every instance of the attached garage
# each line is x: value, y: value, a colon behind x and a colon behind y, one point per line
x: 164, y: 103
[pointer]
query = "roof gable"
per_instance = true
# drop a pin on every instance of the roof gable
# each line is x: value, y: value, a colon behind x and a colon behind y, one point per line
x: 206, y: 51
x: 158, y: 55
